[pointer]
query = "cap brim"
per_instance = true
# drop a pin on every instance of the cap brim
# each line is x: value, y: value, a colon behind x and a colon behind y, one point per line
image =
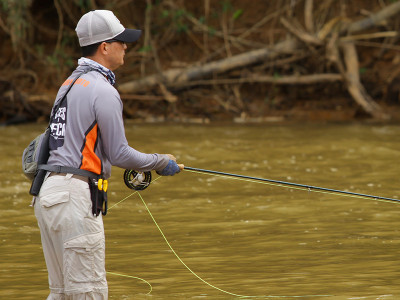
x: 128, y: 35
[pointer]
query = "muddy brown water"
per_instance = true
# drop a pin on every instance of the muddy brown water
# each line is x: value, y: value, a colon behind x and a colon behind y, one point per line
x: 242, y: 237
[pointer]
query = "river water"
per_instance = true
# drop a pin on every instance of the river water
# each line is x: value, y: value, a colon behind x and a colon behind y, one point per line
x: 238, y: 237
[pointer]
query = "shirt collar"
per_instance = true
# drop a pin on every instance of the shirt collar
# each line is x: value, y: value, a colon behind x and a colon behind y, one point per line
x: 84, y: 61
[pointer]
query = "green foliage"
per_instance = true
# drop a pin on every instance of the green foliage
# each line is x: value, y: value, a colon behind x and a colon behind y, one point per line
x: 165, y: 13
x: 59, y: 60
x: 145, y: 49
x: 211, y: 31
x: 177, y: 18
x: 236, y: 15
x: 228, y: 7
x: 362, y: 70
x: 16, y: 12
x: 86, y: 5
x: 39, y: 49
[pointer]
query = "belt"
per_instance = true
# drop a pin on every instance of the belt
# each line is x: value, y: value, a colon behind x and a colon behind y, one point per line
x: 83, y: 178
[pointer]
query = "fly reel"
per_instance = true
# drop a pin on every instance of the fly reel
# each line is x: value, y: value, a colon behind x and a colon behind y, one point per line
x: 137, y: 181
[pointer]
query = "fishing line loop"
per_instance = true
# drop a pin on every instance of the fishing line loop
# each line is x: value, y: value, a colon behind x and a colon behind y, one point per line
x: 133, y: 277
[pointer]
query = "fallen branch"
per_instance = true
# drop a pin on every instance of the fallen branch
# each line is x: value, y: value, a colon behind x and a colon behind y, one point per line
x: 257, y: 78
x: 142, y: 97
x: 174, y: 76
x: 374, y: 19
x: 368, y: 36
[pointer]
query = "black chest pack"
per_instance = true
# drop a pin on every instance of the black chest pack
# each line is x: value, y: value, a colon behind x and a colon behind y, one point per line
x: 36, y: 155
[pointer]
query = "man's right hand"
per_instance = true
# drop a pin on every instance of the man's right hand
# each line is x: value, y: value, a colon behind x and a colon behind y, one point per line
x: 171, y: 169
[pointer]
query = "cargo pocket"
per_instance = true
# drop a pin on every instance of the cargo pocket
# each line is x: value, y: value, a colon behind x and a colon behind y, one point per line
x: 55, y: 209
x: 84, y: 258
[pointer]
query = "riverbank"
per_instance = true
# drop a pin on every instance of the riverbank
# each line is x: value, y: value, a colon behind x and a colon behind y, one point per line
x: 231, y: 61
x: 292, y: 115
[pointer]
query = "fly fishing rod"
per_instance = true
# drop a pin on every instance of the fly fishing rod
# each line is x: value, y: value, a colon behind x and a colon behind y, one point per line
x: 141, y: 180
x: 309, y: 187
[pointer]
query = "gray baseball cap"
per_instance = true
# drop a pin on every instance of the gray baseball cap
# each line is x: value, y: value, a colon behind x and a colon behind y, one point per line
x: 101, y: 25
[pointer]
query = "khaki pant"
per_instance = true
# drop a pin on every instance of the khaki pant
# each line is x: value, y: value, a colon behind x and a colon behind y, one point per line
x: 72, y: 240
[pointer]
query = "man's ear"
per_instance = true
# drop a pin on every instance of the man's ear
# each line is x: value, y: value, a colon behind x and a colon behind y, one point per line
x: 103, y: 47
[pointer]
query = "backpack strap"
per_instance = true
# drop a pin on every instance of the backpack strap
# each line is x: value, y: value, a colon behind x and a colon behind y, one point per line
x: 57, y: 106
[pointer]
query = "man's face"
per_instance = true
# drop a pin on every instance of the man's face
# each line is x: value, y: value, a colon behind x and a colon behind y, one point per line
x: 116, y: 51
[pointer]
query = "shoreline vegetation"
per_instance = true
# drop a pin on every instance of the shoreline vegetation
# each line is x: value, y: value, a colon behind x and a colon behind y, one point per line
x: 215, y: 61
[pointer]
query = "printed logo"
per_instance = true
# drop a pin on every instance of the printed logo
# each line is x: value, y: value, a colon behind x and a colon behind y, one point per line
x: 60, y: 113
x: 57, y: 127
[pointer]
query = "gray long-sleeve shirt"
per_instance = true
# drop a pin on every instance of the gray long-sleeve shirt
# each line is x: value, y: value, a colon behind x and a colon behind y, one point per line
x: 87, y: 131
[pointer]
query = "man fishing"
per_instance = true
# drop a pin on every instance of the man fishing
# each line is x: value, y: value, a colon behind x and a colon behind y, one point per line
x: 87, y: 138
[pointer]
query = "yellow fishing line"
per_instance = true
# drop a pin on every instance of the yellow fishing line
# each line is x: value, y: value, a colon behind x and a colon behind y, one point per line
x: 129, y: 196
x: 242, y: 179
x: 123, y: 275
x: 206, y: 282
x: 133, y: 277
x: 122, y: 200
x: 186, y: 266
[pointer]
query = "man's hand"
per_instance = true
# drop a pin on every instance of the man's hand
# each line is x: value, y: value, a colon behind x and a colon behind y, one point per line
x: 172, y: 168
